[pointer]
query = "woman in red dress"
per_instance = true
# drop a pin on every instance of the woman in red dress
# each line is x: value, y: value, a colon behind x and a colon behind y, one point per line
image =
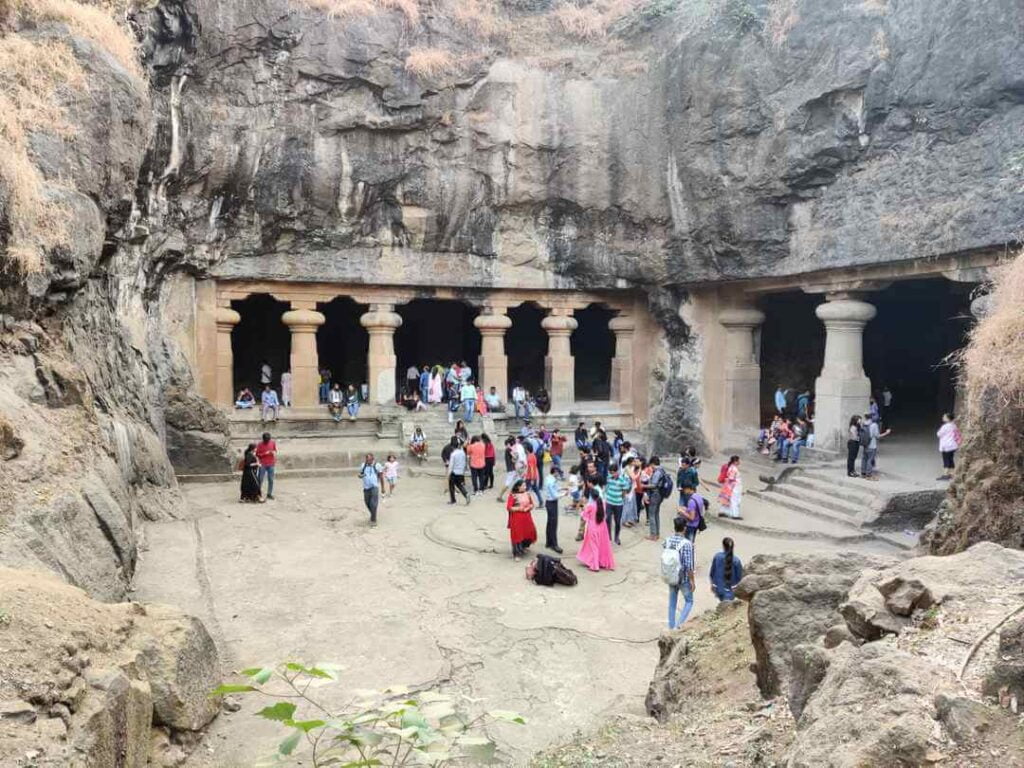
x: 521, y: 529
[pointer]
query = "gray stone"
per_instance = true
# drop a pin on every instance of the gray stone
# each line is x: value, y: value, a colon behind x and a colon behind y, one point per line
x: 866, y: 613
x: 838, y: 634
x: 964, y: 719
x: 904, y: 596
x: 1007, y: 671
x: 17, y: 711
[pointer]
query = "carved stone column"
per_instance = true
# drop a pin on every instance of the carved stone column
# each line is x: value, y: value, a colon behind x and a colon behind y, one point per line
x: 380, y: 322
x: 305, y: 362
x: 226, y: 319
x: 742, y: 379
x: 559, y: 365
x: 493, y: 362
x: 842, y: 390
x: 623, y: 327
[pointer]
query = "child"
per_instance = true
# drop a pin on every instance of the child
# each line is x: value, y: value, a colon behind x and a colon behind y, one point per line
x: 391, y: 474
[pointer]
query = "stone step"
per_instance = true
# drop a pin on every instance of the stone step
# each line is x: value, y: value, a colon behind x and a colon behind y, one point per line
x: 853, y: 509
x: 805, y: 508
x: 864, y: 495
x: 836, y: 478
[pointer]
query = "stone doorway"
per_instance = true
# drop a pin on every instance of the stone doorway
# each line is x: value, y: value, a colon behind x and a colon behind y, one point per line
x: 792, y: 346
x: 526, y: 344
x: 435, y: 332
x: 341, y: 342
x: 259, y: 336
x: 593, y: 346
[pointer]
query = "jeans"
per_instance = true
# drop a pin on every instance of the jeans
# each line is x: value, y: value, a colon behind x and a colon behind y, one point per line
x: 267, y: 472
x: 791, y: 449
x: 457, y: 482
x: 852, y: 449
x: 425, y: 394
x: 488, y: 474
x: 691, y: 533
x: 654, y: 513
x: 724, y: 595
x: 613, y: 514
x: 552, y: 529
x: 867, y: 461
x: 673, y: 600
x: 371, y: 496
x: 477, y: 475
x: 523, y: 409
x: 468, y: 407
x: 353, y: 409
x: 269, y: 409
x: 324, y: 389
x: 534, y: 487
x: 556, y: 465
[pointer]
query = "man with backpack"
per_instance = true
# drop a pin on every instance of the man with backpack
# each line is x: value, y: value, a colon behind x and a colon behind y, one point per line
x: 692, y: 507
x: 677, y: 565
x: 370, y: 473
x: 658, y: 488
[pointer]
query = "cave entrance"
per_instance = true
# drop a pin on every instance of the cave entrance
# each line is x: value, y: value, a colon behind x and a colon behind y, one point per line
x: 593, y: 346
x: 435, y: 332
x: 260, y: 337
x: 526, y: 345
x: 792, y: 346
x: 342, y: 343
x: 907, y: 347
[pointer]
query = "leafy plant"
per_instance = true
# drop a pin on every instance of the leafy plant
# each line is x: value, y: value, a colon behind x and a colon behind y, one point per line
x: 393, y: 727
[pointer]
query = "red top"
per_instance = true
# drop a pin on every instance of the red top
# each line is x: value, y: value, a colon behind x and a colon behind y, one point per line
x: 489, y: 451
x: 266, y: 452
x: 475, y: 452
x: 557, y: 441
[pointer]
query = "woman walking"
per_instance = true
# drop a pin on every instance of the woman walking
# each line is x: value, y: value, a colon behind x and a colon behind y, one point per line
x: 852, y: 446
x: 949, y: 442
x: 521, y: 529
x: 460, y: 431
x: 250, y: 490
x: 434, y: 385
x: 490, y: 455
x: 596, y: 549
x: 629, y: 500
x: 475, y: 452
x: 726, y: 572
x: 731, y: 494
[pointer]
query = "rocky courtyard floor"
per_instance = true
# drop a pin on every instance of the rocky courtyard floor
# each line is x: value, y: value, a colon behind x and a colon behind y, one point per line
x: 430, y: 597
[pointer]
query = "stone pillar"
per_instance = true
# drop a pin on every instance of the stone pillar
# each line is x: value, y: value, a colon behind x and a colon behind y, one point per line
x: 380, y: 322
x: 623, y: 327
x: 305, y: 363
x: 842, y: 389
x: 226, y: 319
x: 742, y: 375
x: 559, y: 366
x: 493, y: 364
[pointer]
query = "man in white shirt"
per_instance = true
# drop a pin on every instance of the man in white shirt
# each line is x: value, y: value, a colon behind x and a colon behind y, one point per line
x: 412, y: 378
x: 457, y: 464
x: 519, y: 402
x: 493, y: 401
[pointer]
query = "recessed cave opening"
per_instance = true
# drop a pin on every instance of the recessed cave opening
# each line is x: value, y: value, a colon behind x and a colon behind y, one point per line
x: 792, y: 346
x: 433, y: 332
x: 526, y: 345
x: 260, y: 335
x: 593, y: 346
x: 919, y: 324
x: 341, y: 342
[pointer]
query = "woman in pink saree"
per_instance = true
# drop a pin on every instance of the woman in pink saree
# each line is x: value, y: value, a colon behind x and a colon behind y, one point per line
x: 596, y: 549
x: 434, y: 386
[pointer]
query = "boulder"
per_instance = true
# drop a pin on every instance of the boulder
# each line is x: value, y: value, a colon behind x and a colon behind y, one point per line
x: 809, y: 664
x: 1007, y: 673
x: 964, y: 719
x: 874, y: 707
x: 903, y: 596
x: 793, y: 599
x: 866, y: 613
x: 179, y: 659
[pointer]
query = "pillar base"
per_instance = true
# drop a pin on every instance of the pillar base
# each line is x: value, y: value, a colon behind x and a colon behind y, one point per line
x: 835, y: 402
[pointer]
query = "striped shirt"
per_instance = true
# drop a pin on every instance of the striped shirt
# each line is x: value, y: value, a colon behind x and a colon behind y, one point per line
x: 615, y: 488
x: 681, y: 543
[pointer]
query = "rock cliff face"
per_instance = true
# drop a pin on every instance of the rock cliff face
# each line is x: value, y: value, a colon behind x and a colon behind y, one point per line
x: 265, y: 138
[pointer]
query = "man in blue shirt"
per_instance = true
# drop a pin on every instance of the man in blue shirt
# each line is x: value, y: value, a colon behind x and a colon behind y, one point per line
x: 425, y: 385
x: 370, y: 473
x: 780, y: 399
x: 551, y: 494
x: 270, y: 404
x: 467, y: 394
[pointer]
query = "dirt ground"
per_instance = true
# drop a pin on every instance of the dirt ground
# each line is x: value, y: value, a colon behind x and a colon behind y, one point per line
x: 431, y: 597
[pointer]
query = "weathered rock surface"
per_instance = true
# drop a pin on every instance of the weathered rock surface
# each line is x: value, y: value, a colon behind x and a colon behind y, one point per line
x: 84, y: 683
x: 793, y: 599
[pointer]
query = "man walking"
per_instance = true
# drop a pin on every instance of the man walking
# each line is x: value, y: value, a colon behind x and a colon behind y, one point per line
x: 371, y: 473
x: 684, y: 582
x: 551, y: 494
x: 870, y: 447
x: 614, y: 495
x: 654, y: 487
x: 457, y: 471
x: 467, y: 393
x: 266, y: 452
x: 271, y: 404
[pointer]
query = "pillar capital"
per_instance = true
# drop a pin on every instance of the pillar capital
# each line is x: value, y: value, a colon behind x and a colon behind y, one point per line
x: 225, y: 317
x: 845, y: 311
x: 622, y: 324
x: 380, y: 318
x: 982, y: 306
x: 741, y: 318
x: 303, y: 320
x: 491, y: 324
x: 559, y: 325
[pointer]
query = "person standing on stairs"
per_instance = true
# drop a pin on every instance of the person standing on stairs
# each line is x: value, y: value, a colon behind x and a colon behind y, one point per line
x: 731, y: 493
x: 852, y: 446
x: 467, y: 396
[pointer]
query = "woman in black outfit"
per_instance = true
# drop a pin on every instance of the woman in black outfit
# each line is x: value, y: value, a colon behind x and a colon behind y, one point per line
x: 852, y: 446
x: 250, y: 490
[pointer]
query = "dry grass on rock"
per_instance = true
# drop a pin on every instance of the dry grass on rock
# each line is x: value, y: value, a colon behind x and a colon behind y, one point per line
x: 429, y: 62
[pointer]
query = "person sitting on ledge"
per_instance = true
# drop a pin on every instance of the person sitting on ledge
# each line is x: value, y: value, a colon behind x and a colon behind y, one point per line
x: 245, y: 399
x: 493, y: 401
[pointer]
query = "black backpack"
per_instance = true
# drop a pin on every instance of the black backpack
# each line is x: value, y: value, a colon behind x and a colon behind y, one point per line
x: 550, y: 571
x: 864, y: 432
x: 665, y: 485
